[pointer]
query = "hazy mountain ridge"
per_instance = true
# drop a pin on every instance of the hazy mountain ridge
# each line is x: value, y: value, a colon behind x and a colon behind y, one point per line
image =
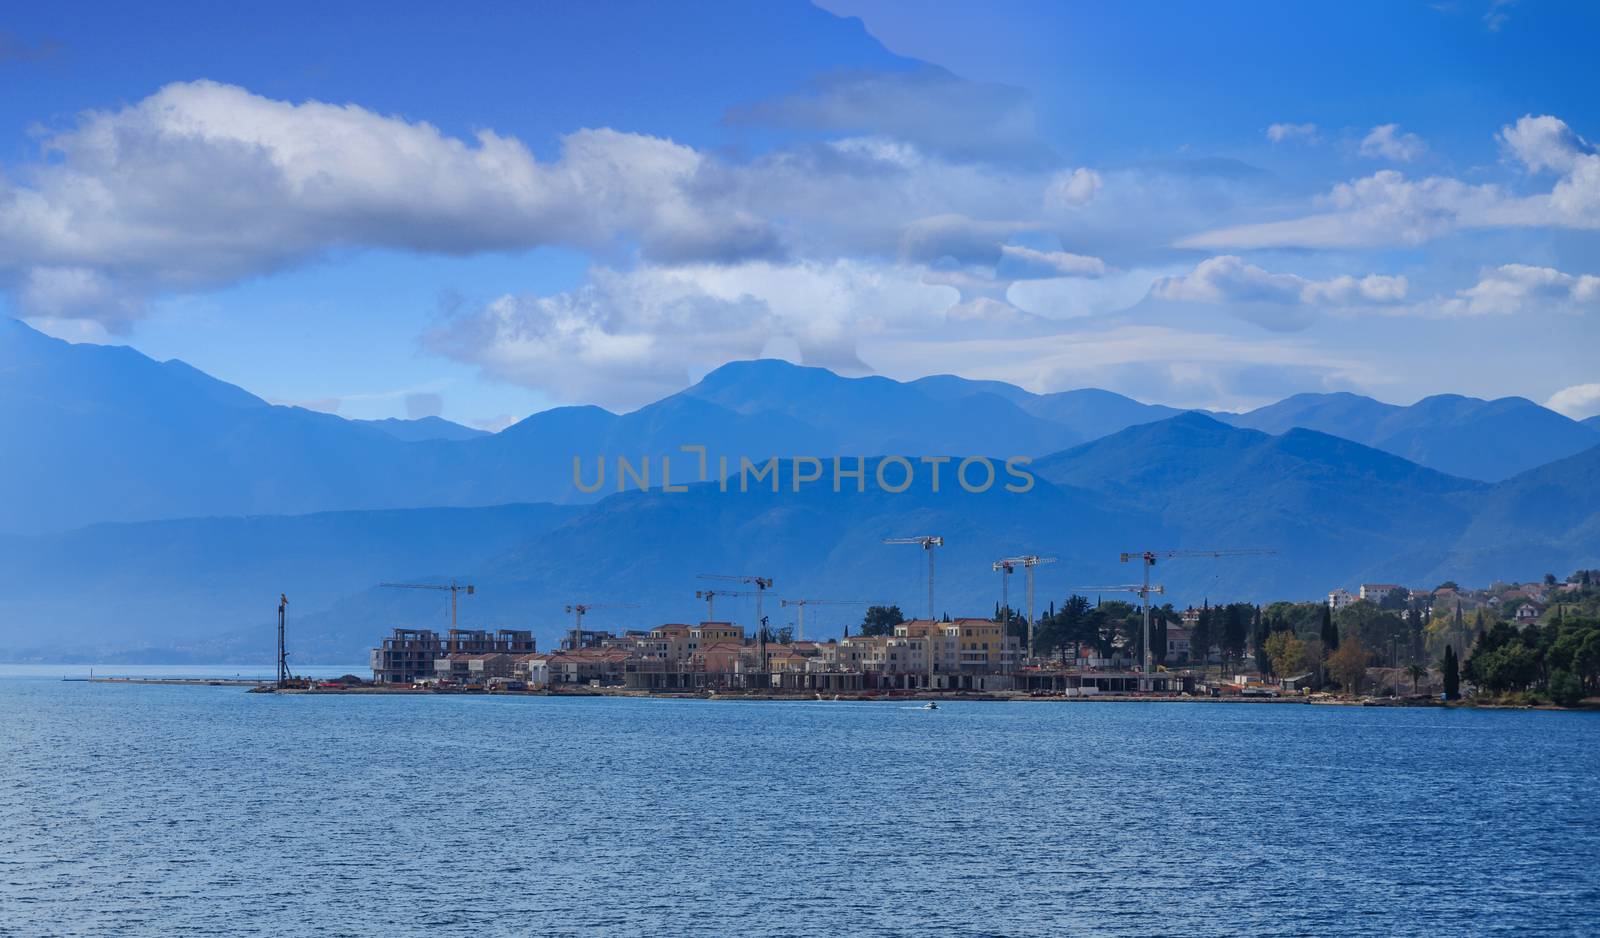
x: 424, y: 428
x: 174, y: 583
x: 1465, y: 436
x: 1336, y: 513
x: 115, y: 436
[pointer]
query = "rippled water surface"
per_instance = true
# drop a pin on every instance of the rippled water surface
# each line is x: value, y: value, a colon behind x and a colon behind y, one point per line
x: 140, y: 810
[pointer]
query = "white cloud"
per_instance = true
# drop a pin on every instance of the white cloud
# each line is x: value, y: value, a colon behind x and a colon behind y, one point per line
x: 1496, y: 16
x: 1382, y: 209
x: 1181, y: 367
x: 1387, y: 209
x: 1283, y: 300
x: 1387, y: 142
x: 203, y: 183
x: 1545, y: 143
x: 1519, y: 288
x: 1075, y: 297
x: 624, y: 338
x: 1280, y: 133
x: 1579, y: 402
x: 1075, y: 189
x: 1277, y: 301
x: 1051, y: 263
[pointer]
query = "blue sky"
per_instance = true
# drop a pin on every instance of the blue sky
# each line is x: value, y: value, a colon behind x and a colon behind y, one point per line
x: 396, y: 209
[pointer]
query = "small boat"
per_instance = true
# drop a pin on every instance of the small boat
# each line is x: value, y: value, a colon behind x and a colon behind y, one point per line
x: 930, y: 705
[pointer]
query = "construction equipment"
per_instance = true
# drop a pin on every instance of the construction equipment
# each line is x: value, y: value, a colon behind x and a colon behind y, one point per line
x: 1144, y: 592
x: 452, y: 586
x: 927, y: 542
x: 762, y: 584
x: 1004, y: 567
x: 283, y: 656
x: 803, y: 603
x: 577, y: 610
x: 1148, y: 559
x: 710, y: 596
x: 1027, y: 562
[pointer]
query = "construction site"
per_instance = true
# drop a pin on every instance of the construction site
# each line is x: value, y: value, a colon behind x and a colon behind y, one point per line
x: 990, y: 656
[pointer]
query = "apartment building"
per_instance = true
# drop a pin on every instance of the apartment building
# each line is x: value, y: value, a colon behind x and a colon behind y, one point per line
x: 410, y: 655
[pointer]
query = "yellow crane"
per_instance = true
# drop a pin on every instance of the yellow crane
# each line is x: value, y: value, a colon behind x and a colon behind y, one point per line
x: 452, y: 586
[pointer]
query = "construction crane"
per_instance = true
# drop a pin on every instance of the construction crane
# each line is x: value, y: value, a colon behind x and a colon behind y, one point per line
x: 803, y: 603
x: 1144, y: 592
x: 1027, y: 562
x: 927, y: 542
x: 762, y: 584
x: 577, y: 610
x: 1004, y: 567
x: 710, y: 596
x: 283, y: 655
x: 453, y: 587
x: 1148, y: 559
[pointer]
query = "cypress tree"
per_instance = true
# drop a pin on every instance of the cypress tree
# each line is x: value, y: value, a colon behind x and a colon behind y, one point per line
x: 1452, y: 674
x: 1258, y: 638
x: 1330, y: 632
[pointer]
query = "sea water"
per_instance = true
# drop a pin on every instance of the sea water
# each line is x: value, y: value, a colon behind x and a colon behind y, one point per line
x: 160, y: 810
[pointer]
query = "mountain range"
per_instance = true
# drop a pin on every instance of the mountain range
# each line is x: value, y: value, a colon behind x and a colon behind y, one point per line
x: 165, y: 510
x: 1336, y: 513
x: 112, y: 435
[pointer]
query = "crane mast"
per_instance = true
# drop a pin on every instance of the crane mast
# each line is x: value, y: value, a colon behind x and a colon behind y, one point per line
x: 1148, y: 559
x: 762, y: 584
x: 1027, y: 562
x: 927, y: 542
x: 283, y: 655
x: 801, y: 604
x: 577, y: 611
x: 710, y: 596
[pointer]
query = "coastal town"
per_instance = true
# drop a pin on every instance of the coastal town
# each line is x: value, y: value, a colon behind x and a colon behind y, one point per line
x: 1380, y: 640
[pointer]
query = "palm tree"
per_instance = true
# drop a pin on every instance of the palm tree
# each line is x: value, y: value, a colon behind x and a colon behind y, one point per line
x: 1417, y: 672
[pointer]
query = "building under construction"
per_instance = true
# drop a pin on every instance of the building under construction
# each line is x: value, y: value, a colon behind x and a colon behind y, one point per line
x: 411, y: 655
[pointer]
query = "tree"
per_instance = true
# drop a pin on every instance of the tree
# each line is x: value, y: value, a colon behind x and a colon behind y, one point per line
x: 1451, y: 673
x: 1235, y: 630
x: 1565, y: 688
x: 1416, y: 672
x: 1073, y: 622
x: 1330, y: 633
x: 786, y: 635
x: 1348, y: 665
x: 881, y: 620
x: 1505, y: 668
x: 1258, y: 642
x: 1158, y: 634
x: 1202, y: 637
x: 1396, y: 599
x: 1286, y: 654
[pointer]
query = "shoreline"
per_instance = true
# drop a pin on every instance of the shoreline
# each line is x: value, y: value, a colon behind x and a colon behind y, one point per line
x: 266, y: 686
